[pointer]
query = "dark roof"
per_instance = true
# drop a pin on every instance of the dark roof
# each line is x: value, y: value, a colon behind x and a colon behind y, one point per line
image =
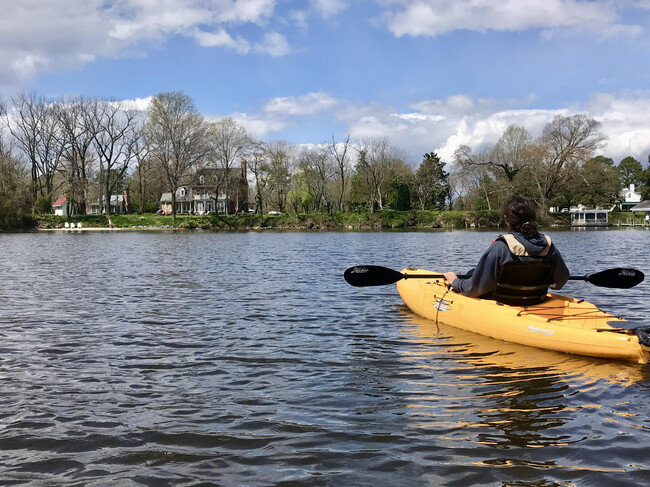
x: 643, y: 206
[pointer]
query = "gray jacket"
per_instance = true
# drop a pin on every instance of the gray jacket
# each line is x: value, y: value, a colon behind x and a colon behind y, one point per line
x: 484, y: 277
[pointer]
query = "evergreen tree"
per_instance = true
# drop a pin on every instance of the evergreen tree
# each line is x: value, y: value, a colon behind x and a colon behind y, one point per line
x: 630, y: 171
x: 430, y: 189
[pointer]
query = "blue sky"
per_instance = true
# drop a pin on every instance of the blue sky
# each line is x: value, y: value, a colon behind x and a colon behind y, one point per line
x: 428, y: 74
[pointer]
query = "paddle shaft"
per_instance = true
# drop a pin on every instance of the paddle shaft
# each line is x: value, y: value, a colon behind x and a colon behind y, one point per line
x: 372, y: 275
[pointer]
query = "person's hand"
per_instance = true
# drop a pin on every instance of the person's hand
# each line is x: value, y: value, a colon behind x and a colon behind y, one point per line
x: 450, y: 276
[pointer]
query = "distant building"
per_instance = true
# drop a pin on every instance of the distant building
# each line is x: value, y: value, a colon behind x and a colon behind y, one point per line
x: 644, y: 206
x: 60, y: 207
x: 630, y: 198
x: 119, y: 204
x: 205, y: 193
x: 589, y: 218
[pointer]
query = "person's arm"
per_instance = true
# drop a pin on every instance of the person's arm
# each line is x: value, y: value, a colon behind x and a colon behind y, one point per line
x: 484, y: 278
x: 560, y: 271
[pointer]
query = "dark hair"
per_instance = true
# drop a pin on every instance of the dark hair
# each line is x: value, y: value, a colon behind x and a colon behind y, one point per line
x: 521, y: 214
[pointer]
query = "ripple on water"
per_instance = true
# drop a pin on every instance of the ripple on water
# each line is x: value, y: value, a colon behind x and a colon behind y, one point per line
x: 244, y: 359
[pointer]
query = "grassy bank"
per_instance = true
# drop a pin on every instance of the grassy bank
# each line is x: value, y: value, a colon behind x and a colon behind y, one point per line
x: 379, y: 220
x: 386, y: 219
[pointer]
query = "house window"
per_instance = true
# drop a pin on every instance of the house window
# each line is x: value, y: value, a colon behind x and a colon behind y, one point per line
x: 182, y: 192
x: 201, y: 180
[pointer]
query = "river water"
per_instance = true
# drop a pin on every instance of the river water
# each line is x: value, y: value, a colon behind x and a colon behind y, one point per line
x: 172, y: 358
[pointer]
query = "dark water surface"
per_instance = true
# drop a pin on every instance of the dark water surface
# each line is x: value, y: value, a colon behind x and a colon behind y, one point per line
x: 133, y: 358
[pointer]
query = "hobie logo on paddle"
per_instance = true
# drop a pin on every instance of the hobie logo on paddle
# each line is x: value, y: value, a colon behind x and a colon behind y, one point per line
x: 627, y: 272
x: 359, y: 270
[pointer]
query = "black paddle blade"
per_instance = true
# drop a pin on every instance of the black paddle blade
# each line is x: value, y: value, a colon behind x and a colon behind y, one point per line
x: 619, y: 278
x: 371, y: 275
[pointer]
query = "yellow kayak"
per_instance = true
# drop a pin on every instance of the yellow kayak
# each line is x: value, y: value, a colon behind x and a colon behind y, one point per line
x: 559, y: 323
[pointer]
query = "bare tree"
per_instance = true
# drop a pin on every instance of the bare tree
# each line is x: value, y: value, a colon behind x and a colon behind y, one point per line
x: 472, y: 173
x: 141, y: 152
x: 376, y: 161
x: 280, y: 156
x: 316, y: 170
x: 114, y: 137
x: 177, y: 134
x: 339, y: 152
x: 14, y: 185
x: 231, y: 145
x: 260, y: 167
x: 566, y: 143
x: 77, y: 135
x: 511, y: 151
x: 34, y: 125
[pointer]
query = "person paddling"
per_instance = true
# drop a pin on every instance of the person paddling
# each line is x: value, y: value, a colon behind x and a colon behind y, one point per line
x: 519, y: 266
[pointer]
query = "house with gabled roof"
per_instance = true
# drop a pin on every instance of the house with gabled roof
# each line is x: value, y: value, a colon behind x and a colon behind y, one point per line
x: 205, y: 193
x: 644, y: 206
x: 60, y: 206
x: 630, y: 197
x: 119, y: 204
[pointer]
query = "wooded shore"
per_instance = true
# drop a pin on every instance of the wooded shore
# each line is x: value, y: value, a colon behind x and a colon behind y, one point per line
x: 379, y: 220
x: 386, y: 219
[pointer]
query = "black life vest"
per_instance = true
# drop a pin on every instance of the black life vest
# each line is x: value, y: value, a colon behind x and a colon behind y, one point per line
x: 525, y: 280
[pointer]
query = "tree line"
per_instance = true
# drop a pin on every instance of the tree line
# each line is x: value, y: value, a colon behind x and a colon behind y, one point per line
x: 88, y: 149
x: 557, y: 169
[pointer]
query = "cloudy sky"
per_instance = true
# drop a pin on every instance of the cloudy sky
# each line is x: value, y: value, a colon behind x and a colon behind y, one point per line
x: 429, y: 74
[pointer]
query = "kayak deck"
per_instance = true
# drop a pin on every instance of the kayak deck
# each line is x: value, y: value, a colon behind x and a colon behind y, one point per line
x: 559, y: 323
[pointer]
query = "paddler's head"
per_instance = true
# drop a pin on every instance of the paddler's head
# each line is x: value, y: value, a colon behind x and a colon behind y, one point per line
x: 519, y: 214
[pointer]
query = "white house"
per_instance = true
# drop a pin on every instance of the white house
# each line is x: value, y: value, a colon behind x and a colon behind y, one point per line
x: 60, y: 206
x: 630, y: 198
x: 118, y: 205
x: 589, y: 218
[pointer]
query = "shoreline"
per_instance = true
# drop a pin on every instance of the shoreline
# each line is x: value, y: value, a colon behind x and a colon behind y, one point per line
x: 386, y: 220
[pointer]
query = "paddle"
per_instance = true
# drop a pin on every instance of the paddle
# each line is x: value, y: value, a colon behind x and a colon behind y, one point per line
x: 618, y: 277
x: 374, y: 275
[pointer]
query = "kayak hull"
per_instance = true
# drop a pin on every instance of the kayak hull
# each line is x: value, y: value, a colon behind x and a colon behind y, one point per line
x: 560, y: 323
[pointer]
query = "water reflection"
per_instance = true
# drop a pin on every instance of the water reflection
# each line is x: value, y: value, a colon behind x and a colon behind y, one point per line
x: 478, y: 350
x: 508, y: 396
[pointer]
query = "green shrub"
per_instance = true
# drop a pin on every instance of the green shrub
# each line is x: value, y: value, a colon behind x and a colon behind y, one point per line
x: 43, y: 205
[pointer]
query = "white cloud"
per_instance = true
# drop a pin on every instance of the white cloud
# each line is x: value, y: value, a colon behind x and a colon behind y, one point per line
x: 309, y: 104
x: 437, y: 17
x: 58, y: 35
x: 625, y: 122
x: 283, y: 113
x: 259, y: 126
x: 299, y: 17
x: 443, y: 125
x: 418, y: 117
x: 221, y: 38
x: 61, y: 34
x: 328, y: 8
x: 141, y: 104
x: 274, y: 44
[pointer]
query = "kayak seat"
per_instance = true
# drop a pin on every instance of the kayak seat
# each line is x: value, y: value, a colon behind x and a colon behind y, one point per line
x: 523, y: 283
